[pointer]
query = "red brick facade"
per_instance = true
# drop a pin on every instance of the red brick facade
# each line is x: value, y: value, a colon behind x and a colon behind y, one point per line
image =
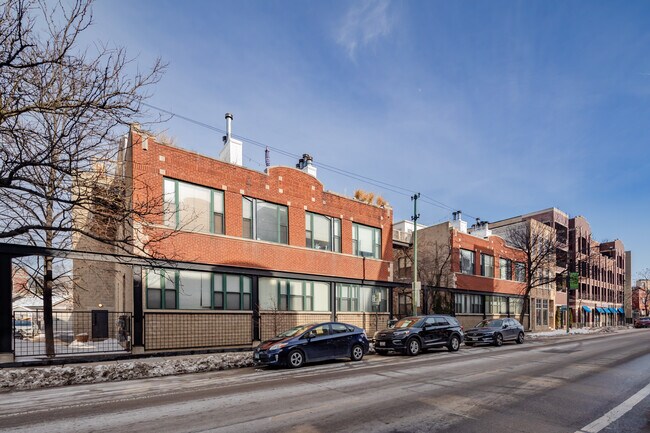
x: 493, y: 246
x: 297, y: 190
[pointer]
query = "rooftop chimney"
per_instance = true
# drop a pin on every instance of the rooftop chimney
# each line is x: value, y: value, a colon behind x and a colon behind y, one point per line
x: 481, y: 229
x: 306, y: 164
x: 232, y: 149
x: 458, y: 222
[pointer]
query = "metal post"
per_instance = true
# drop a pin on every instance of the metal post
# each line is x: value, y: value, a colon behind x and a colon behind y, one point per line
x: 6, y: 325
x: 415, y: 218
x: 138, y: 310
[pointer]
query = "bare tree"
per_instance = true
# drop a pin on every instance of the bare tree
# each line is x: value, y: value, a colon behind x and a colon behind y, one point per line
x: 434, y: 272
x: 539, y: 243
x: 60, y: 110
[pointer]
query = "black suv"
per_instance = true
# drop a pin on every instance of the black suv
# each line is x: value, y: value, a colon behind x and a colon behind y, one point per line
x: 412, y: 334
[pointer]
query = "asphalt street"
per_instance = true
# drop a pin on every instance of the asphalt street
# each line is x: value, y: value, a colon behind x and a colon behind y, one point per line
x: 572, y: 384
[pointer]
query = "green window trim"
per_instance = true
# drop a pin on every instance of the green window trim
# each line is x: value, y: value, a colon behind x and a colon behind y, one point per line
x: 334, y: 232
x: 213, y: 202
x: 242, y: 292
x: 253, y: 232
x: 376, y: 240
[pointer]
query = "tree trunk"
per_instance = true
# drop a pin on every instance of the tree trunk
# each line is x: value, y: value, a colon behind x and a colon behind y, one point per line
x: 47, y: 308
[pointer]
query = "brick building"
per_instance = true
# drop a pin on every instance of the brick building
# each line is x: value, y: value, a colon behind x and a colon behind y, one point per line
x: 598, y: 301
x: 254, y: 253
x: 477, y: 272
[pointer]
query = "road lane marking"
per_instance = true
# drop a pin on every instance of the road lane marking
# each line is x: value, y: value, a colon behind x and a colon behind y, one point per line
x: 616, y: 413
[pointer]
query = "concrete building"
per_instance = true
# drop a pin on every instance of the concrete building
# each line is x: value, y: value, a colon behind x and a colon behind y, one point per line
x: 250, y: 253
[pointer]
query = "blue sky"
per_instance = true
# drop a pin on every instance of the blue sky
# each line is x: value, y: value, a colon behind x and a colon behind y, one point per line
x: 495, y: 108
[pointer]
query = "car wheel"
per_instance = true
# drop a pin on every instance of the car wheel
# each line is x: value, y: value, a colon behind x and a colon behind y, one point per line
x: 498, y: 340
x: 357, y: 353
x: 413, y: 347
x: 296, y: 358
x: 469, y: 344
x: 520, y: 338
x: 454, y: 343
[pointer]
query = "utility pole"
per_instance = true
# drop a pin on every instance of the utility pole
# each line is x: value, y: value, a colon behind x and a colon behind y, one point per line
x: 415, y: 290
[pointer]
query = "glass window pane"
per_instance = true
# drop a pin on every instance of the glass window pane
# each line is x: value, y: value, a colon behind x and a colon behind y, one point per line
x: 268, y: 288
x: 247, y: 284
x: 217, y: 197
x: 232, y: 301
x: 153, y: 298
x: 365, y: 244
x: 194, y: 207
x: 169, y: 202
x: 194, y: 290
x: 267, y: 222
x: 232, y: 283
x: 153, y: 278
x: 247, y: 302
x: 321, y: 296
x: 170, y: 299
x: 322, y: 232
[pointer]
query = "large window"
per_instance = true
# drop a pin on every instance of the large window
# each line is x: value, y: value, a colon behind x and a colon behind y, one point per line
x: 191, y: 290
x: 351, y: 297
x: 293, y: 295
x: 520, y: 272
x: 487, y: 265
x: 192, y: 207
x: 322, y: 232
x: 467, y: 262
x: 366, y: 241
x: 516, y: 306
x: 505, y: 267
x: 496, y: 305
x: 541, y: 312
x: 265, y: 221
x: 468, y: 304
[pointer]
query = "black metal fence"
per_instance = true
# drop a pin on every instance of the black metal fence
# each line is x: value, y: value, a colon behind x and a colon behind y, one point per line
x: 75, y: 332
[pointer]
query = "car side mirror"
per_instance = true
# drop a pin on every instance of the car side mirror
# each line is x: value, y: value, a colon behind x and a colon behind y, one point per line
x: 311, y: 334
x: 505, y: 326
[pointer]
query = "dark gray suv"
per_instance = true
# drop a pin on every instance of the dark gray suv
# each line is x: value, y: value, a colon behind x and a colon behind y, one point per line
x: 410, y: 335
x: 495, y: 331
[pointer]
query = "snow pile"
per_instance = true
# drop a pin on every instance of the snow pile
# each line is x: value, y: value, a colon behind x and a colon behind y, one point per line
x: 572, y: 331
x: 42, y: 377
x: 109, y: 345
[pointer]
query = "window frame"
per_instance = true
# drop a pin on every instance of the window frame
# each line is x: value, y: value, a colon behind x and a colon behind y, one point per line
x: 177, y: 213
x: 334, y: 239
x: 472, y: 264
x: 376, y: 241
x: 254, y: 220
x: 485, y: 267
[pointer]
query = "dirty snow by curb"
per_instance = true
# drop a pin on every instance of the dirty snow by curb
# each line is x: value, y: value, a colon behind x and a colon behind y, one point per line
x: 45, y: 377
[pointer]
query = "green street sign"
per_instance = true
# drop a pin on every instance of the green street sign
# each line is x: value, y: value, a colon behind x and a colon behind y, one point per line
x: 574, y: 280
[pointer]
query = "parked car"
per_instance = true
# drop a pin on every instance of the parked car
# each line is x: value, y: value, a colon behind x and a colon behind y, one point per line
x: 410, y: 335
x: 24, y: 328
x: 313, y: 342
x: 642, y: 322
x: 495, y: 331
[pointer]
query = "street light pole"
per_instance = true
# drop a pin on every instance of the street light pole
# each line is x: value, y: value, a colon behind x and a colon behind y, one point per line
x: 415, y: 290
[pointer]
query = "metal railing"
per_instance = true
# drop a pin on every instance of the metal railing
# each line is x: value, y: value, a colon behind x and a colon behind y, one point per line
x: 75, y: 332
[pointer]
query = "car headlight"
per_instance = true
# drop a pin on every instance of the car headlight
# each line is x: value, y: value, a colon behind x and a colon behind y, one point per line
x: 400, y: 333
x: 277, y: 346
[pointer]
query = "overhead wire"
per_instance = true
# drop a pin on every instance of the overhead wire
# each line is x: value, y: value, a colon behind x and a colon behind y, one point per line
x: 378, y: 183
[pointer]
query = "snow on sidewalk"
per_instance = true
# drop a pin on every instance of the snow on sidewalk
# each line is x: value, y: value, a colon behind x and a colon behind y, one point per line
x: 45, y: 377
x: 572, y: 331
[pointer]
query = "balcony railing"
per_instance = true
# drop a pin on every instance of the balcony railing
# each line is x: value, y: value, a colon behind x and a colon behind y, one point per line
x: 401, y: 236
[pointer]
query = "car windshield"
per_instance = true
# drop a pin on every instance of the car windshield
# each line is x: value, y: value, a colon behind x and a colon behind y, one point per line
x: 490, y: 324
x: 407, y: 322
x: 296, y: 330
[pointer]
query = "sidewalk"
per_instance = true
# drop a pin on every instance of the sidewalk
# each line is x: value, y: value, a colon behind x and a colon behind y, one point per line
x: 12, y: 379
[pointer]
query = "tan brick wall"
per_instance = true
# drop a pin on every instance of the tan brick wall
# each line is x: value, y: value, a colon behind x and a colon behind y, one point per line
x: 197, y: 330
x: 371, y: 322
x: 274, y: 322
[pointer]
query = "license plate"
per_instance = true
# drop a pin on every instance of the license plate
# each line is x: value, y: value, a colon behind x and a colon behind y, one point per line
x: 382, y: 343
x: 256, y: 356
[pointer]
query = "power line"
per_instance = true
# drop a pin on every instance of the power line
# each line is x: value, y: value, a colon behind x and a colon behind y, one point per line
x: 378, y: 183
